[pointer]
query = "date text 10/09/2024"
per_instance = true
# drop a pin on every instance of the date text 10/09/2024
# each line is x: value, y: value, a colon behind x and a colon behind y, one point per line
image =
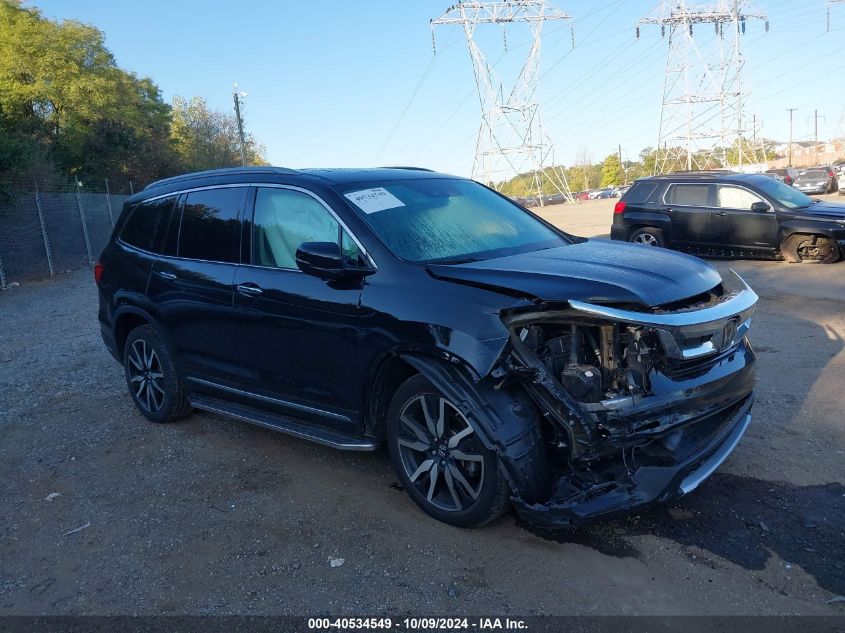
x: 418, y: 624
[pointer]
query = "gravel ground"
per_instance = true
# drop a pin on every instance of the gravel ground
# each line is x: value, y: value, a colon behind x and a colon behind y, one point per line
x: 105, y: 513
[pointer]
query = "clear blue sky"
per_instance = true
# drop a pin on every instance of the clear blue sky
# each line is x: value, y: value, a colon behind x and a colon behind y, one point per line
x: 328, y: 81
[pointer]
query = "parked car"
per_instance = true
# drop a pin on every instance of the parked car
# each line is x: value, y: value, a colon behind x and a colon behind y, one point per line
x: 581, y: 195
x: 842, y: 185
x: 621, y: 191
x: 787, y: 175
x: 817, y: 180
x: 732, y: 215
x: 500, y: 359
x: 602, y: 194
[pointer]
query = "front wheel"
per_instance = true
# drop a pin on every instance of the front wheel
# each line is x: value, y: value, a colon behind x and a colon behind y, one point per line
x: 816, y: 249
x: 440, y: 460
x: 648, y: 236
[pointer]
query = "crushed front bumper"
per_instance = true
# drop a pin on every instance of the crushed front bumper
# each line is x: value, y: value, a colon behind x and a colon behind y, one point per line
x: 647, y: 485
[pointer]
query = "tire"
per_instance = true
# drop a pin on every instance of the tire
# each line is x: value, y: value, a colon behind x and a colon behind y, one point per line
x: 465, y: 493
x: 151, y: 377
x: 806, y: 248
x: 648, y: 236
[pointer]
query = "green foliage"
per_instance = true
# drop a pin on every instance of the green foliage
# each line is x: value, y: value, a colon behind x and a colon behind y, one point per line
x: 206, y: 139
x: 65, y: 106
x: 612, y: 172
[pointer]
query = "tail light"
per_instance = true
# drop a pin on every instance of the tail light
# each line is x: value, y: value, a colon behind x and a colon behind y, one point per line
x: 619, y: 207
x: 98, y: 272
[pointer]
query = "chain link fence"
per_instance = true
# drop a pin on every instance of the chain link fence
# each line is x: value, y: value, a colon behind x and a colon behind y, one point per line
x: 49, y: 226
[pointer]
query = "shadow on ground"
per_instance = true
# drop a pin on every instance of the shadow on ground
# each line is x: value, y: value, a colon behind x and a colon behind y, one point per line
x: 741, y: 520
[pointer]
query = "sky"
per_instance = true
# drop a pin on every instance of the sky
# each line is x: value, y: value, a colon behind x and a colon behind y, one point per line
x: 340, y: 83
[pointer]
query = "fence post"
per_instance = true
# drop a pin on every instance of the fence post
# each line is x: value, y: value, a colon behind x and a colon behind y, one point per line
x: 108, y: 202
x: 43, y: 228
x: 84, y: 225
x: 2, y: 276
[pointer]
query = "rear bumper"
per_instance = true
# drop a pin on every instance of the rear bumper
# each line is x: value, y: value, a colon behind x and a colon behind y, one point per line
x: 619, y: 232
x: 647, y: 485
x: 108, y: 338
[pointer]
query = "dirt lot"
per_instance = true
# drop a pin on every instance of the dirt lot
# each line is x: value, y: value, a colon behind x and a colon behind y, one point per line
x: 105, y: 513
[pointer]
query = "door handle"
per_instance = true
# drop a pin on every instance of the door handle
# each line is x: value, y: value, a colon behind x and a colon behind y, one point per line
x: 248, y: 289
x: 166, y: 275
x: 667, y: 210
x: 721, y: 213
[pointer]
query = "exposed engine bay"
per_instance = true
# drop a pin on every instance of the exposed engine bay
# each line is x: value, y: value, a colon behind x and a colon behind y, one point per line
x: 593, y: 363
x: 631, y: 403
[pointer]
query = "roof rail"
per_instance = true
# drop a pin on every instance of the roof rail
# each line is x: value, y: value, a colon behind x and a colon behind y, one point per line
x: 705, y: 171
x: 405, y: 167
x: 226, y: 171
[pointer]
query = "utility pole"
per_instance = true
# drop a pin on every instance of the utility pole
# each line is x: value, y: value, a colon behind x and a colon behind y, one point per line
x: 238, y: 96
x: 624, y: 169
x: 511, y: 140
x: 816, y: 118
x: 790, y: 110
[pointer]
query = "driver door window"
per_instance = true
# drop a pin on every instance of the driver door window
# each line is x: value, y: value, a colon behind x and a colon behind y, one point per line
x: 283, y: 220
x: 728, y: 197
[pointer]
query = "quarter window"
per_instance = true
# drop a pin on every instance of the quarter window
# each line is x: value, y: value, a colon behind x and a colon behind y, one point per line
x: 690, y: 195
x: 735, y: 197
x: 210, y: 228
x: 147, y: 224
x: 284, y: 219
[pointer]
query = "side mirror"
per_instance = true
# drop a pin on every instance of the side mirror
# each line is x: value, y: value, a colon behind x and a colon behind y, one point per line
x: 324, y: 260
x: 320, y: 259
x: 760, y: 206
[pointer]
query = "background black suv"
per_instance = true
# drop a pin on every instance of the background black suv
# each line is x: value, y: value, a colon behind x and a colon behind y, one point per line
x: 730, y: 215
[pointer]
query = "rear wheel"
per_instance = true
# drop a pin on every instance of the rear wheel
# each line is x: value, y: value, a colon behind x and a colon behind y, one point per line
x: 816, y: 249
x: 649, y: 236
x: 151, y: 376
x: 440, y: 460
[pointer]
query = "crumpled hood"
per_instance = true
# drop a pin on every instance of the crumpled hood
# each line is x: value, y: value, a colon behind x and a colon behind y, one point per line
x: 594, y: 270
x: 827, y: 210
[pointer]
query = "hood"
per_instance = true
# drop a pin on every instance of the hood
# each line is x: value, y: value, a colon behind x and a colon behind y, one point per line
x: 593, y: 270
x: 824, y: 210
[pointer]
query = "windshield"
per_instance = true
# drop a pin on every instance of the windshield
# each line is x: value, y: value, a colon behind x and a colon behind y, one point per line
x: 448, y: 220
x: 786, y: 195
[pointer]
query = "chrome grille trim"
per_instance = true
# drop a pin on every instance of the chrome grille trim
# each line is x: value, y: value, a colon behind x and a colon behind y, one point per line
x: 691, y: 334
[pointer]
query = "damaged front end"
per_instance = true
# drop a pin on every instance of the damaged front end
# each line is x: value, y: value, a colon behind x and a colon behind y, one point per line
x: 639, y: 405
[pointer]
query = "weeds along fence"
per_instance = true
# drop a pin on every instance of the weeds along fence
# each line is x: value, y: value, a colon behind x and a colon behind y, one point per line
x: 50, y: 226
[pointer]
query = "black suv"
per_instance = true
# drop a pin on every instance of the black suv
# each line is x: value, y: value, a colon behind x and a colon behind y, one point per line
x: 726, y: 214
x: 500, y: 359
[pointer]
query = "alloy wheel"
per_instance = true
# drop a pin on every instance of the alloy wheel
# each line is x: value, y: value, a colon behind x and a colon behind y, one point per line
x: 145, y: 376
x: 646, y: 238
x: 814, y: 248
x: 440, y: 453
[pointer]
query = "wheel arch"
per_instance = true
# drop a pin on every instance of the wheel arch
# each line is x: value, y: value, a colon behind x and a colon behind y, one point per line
x: 126, y: 318
x: 507, y: 422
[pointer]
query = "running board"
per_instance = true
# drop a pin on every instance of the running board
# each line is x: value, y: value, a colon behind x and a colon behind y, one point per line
x: 284, y: 424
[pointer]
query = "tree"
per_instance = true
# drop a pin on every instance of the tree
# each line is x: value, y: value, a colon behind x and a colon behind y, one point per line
x: 65, y: 106
x: 612, y: 173
x: 206, y: 139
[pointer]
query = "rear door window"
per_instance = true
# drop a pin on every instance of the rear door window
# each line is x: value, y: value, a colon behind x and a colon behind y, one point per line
x: 147, y: 224
x: 211, y: 225
x: 689, y: 195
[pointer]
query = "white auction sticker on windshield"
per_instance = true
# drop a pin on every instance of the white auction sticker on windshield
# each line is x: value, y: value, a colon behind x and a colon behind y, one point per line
x: 374, y: 200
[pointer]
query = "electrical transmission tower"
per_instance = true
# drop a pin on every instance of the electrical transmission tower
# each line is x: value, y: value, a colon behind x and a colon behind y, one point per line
x: 702, y: 120
x: 510, y: 139
x: 830, y: 4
